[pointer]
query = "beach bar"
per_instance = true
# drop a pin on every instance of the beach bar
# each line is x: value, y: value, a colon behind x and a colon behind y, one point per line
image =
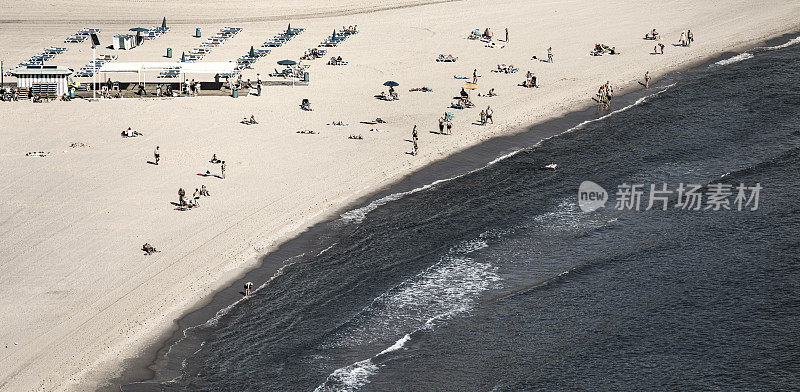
x: 45, y: 80
x: 142, y: 68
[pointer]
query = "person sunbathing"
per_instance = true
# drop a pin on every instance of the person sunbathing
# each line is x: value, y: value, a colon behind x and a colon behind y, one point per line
x: 306, y: 105
x: 149, y: 249
x: 214, y: 159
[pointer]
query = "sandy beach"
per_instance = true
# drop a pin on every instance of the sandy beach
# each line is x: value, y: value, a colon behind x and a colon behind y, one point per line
x: 79, y: 297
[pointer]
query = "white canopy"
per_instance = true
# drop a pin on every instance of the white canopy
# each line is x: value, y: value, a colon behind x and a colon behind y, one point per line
x: 192, y: 68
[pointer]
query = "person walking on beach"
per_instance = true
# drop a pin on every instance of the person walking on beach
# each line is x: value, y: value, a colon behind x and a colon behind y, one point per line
x: 181, y: 195
x: 489, y: 113
x: 223, y: 170
x: 196, y: 197
x: 157, y: 155
x: 689, y: 37
x: 414, y: 149
x: 414, y: 133
x: 506, y: 34
x: 248, y: 288
x: 441, y: 125
x: 647, y: 79
x: 474, y: 76
x: 550, y: 54
x: 483, y: 118
x: 449, y: 128
x: 661, y: 46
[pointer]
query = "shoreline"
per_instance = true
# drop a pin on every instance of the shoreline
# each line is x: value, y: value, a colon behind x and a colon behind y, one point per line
x: 456, y: 164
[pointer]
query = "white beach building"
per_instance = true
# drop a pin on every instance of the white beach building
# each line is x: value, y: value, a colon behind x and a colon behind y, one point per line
x: 124, y: 41
x: 44, y: 80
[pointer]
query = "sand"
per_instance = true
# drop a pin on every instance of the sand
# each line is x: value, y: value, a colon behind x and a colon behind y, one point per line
x: 79, y: 297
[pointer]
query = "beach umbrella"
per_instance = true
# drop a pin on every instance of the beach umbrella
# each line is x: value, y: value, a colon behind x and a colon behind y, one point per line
x: 289, y: 29
x: 252, y: 51
x: 470, y: 86
x: 334, y: 33
x: 391, y: 83
x: 183, y: 57
x: 164, y: 23
x: 138, y: 29
x: 287, y: 62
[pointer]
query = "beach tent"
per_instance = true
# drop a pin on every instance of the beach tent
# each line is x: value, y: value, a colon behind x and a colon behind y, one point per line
x: 124, y: 41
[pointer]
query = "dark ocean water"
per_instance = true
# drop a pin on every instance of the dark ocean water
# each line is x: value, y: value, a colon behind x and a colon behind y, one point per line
x: 497, y: 281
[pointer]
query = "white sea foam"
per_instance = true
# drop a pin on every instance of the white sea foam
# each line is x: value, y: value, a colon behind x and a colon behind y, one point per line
x: 357, y: 215
x: 791, y: 42
x: 397, y: 345
x: 349, y: 378
x: 446, y: 289
x: 734, y: 59
x: 327, y: 249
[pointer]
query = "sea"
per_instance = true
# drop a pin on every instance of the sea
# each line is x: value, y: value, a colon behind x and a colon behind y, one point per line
x: 485, y: 273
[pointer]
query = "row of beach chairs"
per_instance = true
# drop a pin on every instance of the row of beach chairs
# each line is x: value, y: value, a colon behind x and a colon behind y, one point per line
x: 154, y: 32
x: 170, y: 73
x: 338, y: 37
x: 81, y: 35
x: 88, y: 69
x: 284, y: 37
x: 217, y: 39
x: 313, y: 54
x: 38, y: 59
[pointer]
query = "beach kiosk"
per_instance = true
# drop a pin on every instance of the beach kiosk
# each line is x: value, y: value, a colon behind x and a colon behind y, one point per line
x: 124, y: 41
x: 47, y: 81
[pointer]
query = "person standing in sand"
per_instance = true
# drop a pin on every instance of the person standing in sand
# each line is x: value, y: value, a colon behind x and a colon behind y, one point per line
x: 550, y: 54
x: 157, y: 155
x: 248, y: 288
x: 489, y: 113
x: 506, y: 34
x: 223, y: 170
x: 449, y: 128
x: 647, y: 79
x: 196, y: 197
x: 689, y: 38
x: 661, y: 46
x: 474, y: 76
x: 181, y: 195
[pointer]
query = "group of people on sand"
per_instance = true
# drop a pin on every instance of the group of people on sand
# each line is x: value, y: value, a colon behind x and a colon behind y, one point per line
x: 605, y: 94
x: 486, y: 116
x: 194, y: 201
x: 131, y: 133
x: 686, y: 38
x: 502, y: 68
x: 337, y: 61
x: 9, y: 94
x: 530, y: 80
x: 249, y: 121
x: 392, y: 96
x: 445, y: 122
x: 601, y: 49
